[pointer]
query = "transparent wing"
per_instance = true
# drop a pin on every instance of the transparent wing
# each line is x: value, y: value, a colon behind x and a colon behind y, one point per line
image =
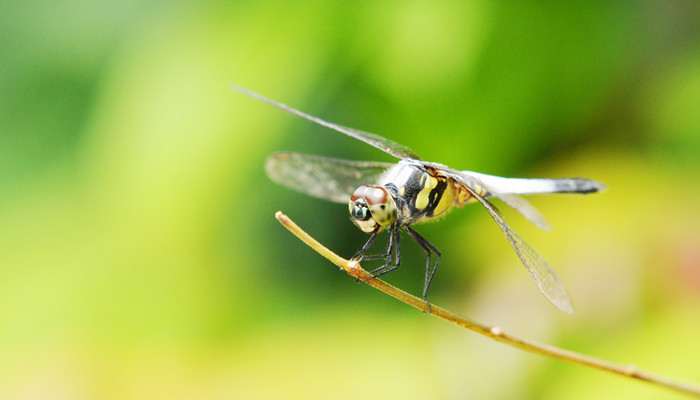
x: 508, y: 189
x: 524, y: 207
x: 479, y: 183
x: 541, y: 272
x: 516, y: 202
x: 383, y: 144
x: 327, y: 178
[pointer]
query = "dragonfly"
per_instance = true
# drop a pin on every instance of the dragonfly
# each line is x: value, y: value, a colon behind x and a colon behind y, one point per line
x: 392, y: 197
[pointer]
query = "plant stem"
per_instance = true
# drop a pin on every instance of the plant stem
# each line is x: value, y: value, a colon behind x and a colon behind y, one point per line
x: 353, y: 268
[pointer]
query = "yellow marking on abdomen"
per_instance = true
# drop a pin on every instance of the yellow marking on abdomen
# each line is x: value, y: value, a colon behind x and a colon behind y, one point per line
x: 464, y: 196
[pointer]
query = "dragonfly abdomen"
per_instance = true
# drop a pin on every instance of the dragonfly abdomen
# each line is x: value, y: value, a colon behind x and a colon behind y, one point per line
x: 534, y: 186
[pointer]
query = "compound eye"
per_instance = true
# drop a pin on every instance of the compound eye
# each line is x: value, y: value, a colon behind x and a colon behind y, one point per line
x: 359, y: 193
x: 376, y: 195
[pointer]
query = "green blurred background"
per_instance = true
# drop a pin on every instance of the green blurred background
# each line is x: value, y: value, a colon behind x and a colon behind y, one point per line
x: 139, y: 255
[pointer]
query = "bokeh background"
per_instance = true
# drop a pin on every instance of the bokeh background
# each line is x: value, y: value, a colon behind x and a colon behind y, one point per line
x: 139, y: 255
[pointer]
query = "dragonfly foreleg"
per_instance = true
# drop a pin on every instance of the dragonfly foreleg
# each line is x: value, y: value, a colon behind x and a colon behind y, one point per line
x: 360, y: 255
x: 393, y: 246
x: 427, y: 248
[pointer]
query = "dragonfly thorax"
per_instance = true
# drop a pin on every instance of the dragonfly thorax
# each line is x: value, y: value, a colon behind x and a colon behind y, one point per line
x: 372, y: 208
x: 421, y: 190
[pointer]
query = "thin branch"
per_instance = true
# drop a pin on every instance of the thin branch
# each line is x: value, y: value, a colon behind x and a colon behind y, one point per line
x: 353, y: 268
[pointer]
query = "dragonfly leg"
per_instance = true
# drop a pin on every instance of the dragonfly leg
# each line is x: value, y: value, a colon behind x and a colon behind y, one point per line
x: 427, y: 248
x: 360, y: 255
x: 392, y: 247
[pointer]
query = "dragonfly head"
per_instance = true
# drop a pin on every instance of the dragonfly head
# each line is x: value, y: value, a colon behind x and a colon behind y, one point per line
x: 372, y: 208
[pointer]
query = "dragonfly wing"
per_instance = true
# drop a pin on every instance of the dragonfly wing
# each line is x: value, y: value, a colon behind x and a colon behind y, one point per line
x: 516, y: 202
x: 389, y: 146
x: 323, y: 177
x: 524, y: 207
x: 541, y: 272
x: 508, y: 189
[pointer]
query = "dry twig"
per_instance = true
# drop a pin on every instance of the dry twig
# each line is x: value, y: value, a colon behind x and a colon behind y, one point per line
x: 353, y: 268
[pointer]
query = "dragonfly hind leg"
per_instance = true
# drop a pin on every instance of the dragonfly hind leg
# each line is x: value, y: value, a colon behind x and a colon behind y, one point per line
x: 427, y: 248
